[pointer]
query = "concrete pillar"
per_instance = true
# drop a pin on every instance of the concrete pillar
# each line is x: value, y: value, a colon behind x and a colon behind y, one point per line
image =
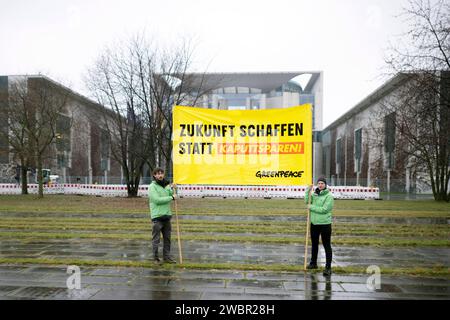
x: 262, y: 102
x: 89, y: 154
x: 407, y: 182
x: 389, y: 181
x: 345, y: 156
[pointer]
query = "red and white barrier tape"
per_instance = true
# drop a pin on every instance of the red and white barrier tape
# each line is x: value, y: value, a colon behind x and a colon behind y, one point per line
x: 339, y: 192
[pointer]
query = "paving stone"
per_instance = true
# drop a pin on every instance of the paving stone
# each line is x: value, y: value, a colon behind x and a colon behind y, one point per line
x: 408, y: 280
x: 145, y: 295
x: 15, y: 298
x: 157, y: 273
x: 130, y: 286
x: 53, y: 293
x: 15, y: 269
x: 22, y: 276
x: 58, y: 270
x: 210, y: 275
x: 408, y: 296
x: 115, y: 271
x: 254, y: 283
x: 73, y: 253
x: 217, y: 290
x: 386, y: 287
x: 233, y: 296
x: 313, y: 286
x: 349, y: 279
x: 7, y: 289
x: 355, y: 287
x: 274, y: 276
x: 426, y: 289
x: 358, y: 295
x: 151, y: 281
x: 196, y: 283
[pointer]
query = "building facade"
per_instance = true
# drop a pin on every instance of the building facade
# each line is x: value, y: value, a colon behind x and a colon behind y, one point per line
x: 255, y: 91
x: 348, y: 152
x: 81, y: 150
x: 365, y: 148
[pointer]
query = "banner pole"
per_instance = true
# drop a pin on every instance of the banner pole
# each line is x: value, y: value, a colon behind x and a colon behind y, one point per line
x: 308, y: 211
x: 178, y: 227
x: 307, y: 229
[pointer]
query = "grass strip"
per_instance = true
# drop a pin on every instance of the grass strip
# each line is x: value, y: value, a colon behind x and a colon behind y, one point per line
x: 243, y: 212
x: 435, y: 271
x: 365, y: 241
x: 216, y: 206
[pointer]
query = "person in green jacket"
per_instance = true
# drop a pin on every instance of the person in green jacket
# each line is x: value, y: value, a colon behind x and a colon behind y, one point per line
x: 160, y: 193
x: 321, y: 210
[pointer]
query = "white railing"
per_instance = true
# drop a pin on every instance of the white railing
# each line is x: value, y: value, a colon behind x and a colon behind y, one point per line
x: 111, y: 190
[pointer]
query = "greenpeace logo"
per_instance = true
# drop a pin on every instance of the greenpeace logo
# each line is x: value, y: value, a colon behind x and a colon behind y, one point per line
x: 279, y: 174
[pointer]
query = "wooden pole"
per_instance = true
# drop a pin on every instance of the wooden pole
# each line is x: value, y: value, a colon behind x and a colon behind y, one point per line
x: 178, y: 227
x: 307, y: 228
x: 309, y: 194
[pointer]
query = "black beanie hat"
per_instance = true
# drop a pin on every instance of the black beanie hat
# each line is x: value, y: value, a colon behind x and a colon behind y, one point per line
x: 322, y: 179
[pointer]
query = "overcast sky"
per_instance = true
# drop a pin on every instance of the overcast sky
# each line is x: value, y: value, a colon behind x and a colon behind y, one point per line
x: 346, y: 39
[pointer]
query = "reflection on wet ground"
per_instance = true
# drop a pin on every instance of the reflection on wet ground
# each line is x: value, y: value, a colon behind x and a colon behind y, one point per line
x: 223, y: 252
x: 40, y: 282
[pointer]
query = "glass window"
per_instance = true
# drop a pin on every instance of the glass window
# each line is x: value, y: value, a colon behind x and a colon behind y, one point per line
x: 338, y: 150
x: 358, y: 146
x: 63, y: 133
x: 389, y: 132
x: 105, y: 143
x: 243, y: 90
x: 229, y: 90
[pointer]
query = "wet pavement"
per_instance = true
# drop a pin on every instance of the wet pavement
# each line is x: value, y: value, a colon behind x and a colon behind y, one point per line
x: 224, y: 252
x: 49, y: 282
x: 43, y: 282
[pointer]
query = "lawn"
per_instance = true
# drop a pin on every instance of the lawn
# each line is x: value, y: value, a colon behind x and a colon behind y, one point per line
x: 218, y: 206
x: 123, y: 219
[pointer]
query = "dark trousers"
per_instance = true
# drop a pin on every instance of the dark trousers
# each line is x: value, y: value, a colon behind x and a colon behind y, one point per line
x: 164, y: 227
x: 323, y: 230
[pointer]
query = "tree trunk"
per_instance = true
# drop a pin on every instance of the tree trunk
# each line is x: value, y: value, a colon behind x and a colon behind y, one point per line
x: 23, y: 176
x: 132, y: 189
x: 40, y: 178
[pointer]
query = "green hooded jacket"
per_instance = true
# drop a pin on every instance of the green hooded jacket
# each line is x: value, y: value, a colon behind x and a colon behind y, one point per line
x: 321, y: 206
x: 159, y: 200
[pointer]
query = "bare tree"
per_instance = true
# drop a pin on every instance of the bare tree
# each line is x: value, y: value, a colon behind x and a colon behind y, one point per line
x: 46, y: 102
x: 113, y: 81
x: 139, y: 83
x: 18, y: 117
x: 33, y: 108
x: 419, y: 111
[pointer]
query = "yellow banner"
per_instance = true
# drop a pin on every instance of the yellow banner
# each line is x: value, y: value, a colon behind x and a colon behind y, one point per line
x: 242, y: 147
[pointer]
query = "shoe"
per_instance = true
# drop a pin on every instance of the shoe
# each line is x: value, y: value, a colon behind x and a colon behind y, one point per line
x: 327, y: 272
x: 169, y: 260
x: 156, y: 259
x: 311, y: 266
